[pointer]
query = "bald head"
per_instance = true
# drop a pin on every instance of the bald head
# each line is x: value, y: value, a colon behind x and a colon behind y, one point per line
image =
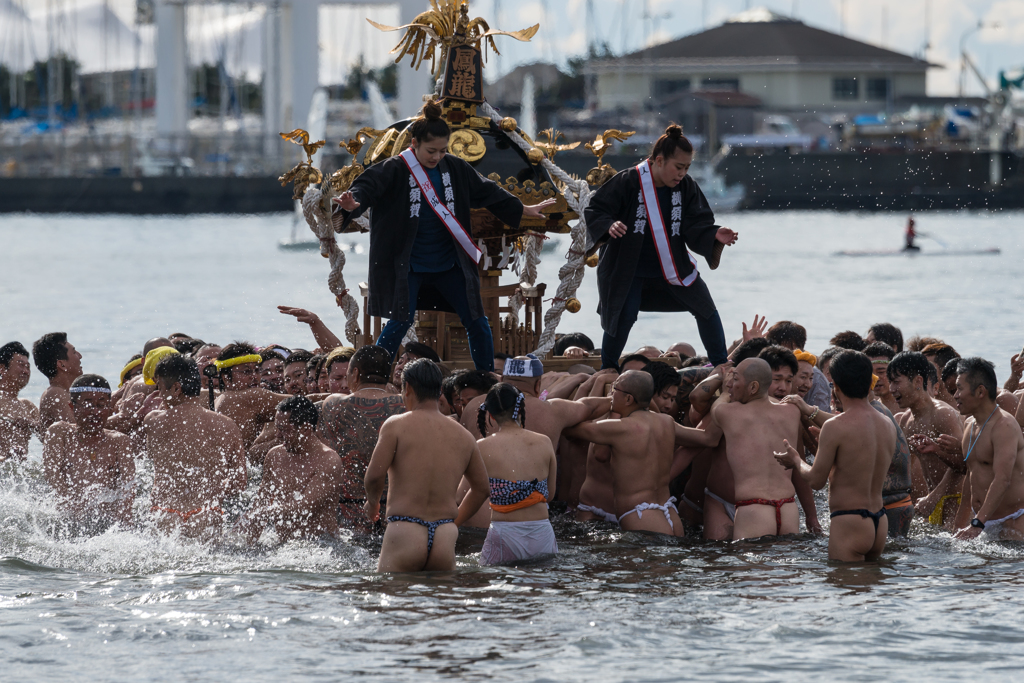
x: 683, y: 349
x: 156, y: 344
x: 638, y: 384
x: 756, y: 370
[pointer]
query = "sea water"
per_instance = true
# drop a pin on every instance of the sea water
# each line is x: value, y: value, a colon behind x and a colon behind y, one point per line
x: 613, y: 606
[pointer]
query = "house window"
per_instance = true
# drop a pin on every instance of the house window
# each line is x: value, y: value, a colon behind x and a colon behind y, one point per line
x: 878, y: 88
x: 732, y: 84
x: 845, y: 89
x: 665, y: 86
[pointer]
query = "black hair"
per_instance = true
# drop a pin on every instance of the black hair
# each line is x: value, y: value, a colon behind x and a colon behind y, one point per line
x: 373, y: 364
x: 49, y: 349
x: 663, y: 374
x: 188, y: 345
x: 695, y: 362
x: 826, y: 356
x: 634, y: 357
x: 787, y: 332
x: 316, y: 364
x: 749, y: 349
x: 235, y: 349
x: 272, y: 352
x: 424, y: 376
x: 950, y: 369
x: 8, y: 350
x: 670, y: 142
x: 477, y: 380
x: 572, y: 339
x: 502, y: 356
x: 300, y: 411
x: 879, y: 350
x: 887, y: 333
x: 504, y: 402
x: 431, y: 125
x: 848, y: 340
x: 299, y: 356
x: 179, y: 369
x: 943, y: 353
x: 448, y: 386
x: 911, y: 364
x: 89, y: 381
x: 979, y: 372
x: 777, y: 356
x: 421, y: 350
x: 851, y: 373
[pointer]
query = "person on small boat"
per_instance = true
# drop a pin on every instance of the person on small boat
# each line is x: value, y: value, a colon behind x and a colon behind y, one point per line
x: 910, y: 235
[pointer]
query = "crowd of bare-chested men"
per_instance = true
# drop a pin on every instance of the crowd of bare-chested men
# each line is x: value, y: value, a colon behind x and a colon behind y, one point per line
x: 665, y: 444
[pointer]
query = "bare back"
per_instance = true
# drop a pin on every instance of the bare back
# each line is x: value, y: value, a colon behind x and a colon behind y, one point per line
x: 431, y: 453
x: 250, y: 409
x: 863, y: 442
x: 517, y: 454
x: 753, y: 432
x: 197, y: 455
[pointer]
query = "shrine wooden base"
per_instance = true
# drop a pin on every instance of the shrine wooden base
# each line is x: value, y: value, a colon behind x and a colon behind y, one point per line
x: 444, y: 332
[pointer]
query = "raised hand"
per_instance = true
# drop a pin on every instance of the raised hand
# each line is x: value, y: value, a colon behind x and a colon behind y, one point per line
x: 757, y: 328
x: 805, y: 409
x: 788, y: 458
x: 301, y: 314
x: 534, y: 211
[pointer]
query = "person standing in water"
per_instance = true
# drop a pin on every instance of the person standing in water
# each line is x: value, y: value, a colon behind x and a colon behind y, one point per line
x: 425, y: 257
x: 909, y: 236
x: 643, y: 219
x: 522, y: 473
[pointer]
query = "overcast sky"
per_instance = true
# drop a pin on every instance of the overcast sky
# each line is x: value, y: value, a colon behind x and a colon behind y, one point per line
x: 895, y: 24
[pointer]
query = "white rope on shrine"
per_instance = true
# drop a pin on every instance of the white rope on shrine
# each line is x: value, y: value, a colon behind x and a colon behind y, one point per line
x: 577, y: 194
x: 319, y: 221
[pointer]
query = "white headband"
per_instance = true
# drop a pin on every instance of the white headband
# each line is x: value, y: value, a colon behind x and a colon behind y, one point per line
x: 79, y: 390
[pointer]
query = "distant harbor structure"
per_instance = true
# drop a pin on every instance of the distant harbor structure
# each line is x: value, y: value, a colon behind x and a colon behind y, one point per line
x: 180, y: 109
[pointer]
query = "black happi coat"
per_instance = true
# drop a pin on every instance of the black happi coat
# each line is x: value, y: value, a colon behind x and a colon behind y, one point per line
x: 619, y: 199
x: 386, y: 187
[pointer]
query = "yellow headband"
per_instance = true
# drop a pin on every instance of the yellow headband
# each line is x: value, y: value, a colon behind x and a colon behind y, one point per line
x: 152, y: 358
x: 241, y: 360
x: 806, y: 357
x: 128, y: 368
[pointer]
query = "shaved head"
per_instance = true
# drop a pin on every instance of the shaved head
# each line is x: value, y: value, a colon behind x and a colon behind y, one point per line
x: 756, y: 370
x: 639, y: 384
x: 156, y: 344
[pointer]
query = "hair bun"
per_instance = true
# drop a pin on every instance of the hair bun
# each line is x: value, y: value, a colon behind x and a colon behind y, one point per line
x: 675, y: 132
x: 432, y: 111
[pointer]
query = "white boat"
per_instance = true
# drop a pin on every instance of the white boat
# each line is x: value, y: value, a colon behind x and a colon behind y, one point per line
x: 722, y: 198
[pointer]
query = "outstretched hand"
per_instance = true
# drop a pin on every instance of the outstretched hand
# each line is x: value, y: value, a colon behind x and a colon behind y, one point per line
x: 757, y: 328
x: 346, y: 201
x: 726, y: 236
x: 534, y: 211
x: 301, y: 314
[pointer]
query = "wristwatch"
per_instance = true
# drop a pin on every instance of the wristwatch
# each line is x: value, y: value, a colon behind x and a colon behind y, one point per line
x: 977, y: 523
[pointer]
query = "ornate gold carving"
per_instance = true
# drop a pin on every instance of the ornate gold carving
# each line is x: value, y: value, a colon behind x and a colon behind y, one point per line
x: 381, y: 147
x: 551, y: 147
x: 479, y: 122
x: 467, y: 144
x: 364, y: 135
x: 600, y: 175
x: 342, y: 179
x: 304, y: 174
x: 442, y: 27
x: 602, y: 143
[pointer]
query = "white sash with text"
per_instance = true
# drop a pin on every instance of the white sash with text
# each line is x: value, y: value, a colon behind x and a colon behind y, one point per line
x: 658, y: 232
x: 446, y: 216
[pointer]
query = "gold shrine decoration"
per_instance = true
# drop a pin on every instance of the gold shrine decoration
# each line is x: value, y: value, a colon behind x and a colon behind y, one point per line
x: 602, y: 143
x: 304, y: 174
x: 551, y: 147
x: 467, y: 144
x: 354, y: 145
x: 447, y: 25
